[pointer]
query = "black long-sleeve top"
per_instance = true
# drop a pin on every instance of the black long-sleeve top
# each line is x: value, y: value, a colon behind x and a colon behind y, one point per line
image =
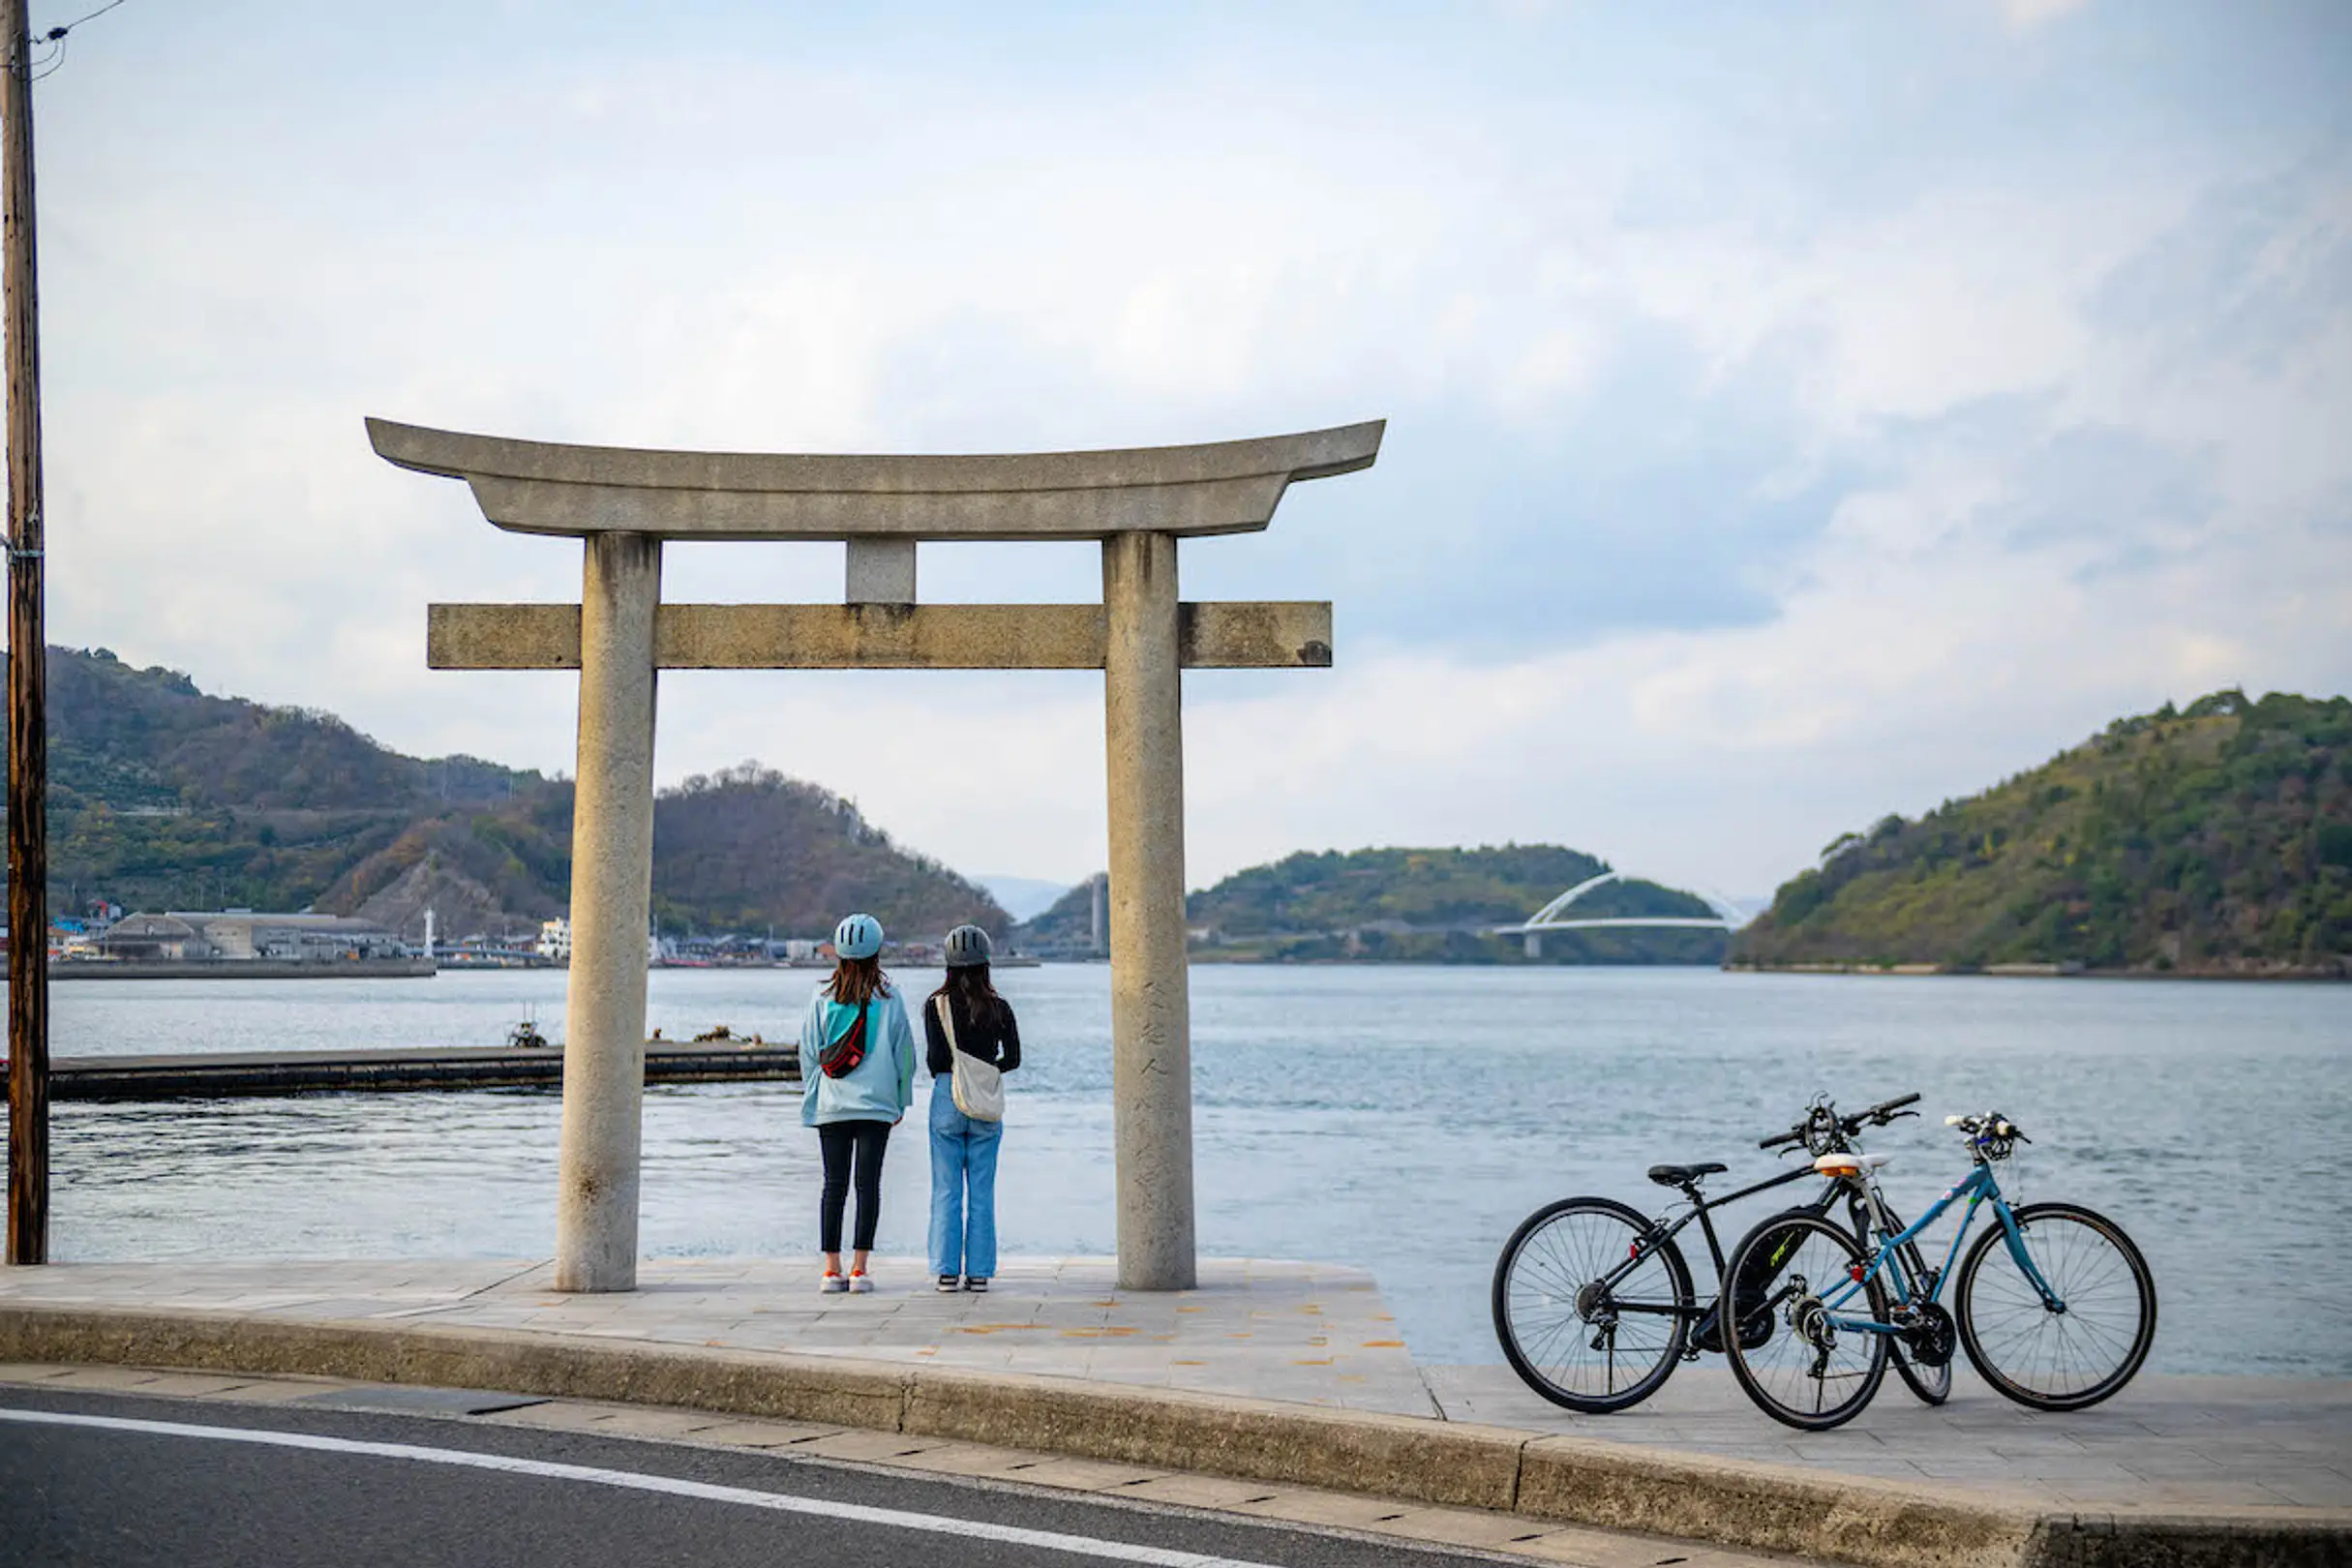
x: 995, y: 1039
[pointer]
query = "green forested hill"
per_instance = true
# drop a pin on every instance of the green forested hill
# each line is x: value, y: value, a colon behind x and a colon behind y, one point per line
x: 747, y: 846
x: 1068, y: 924
x: 2212, y: 840
x: 1427, y: 905
x: 162, y: 796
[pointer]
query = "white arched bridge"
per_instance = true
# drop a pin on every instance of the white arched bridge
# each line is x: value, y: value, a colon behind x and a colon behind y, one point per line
x: 1554, y: 915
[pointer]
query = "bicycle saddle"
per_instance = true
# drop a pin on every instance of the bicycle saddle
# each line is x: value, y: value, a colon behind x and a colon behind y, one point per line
x: 1682, y: 1175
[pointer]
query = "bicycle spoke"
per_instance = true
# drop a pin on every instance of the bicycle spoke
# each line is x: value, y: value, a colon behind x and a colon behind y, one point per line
x: 2063, y: 1355
x: 1562, y: 1321
x: 1815, y: 1368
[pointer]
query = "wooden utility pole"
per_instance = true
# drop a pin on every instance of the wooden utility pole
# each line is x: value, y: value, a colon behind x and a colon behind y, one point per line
x: 28, y: 749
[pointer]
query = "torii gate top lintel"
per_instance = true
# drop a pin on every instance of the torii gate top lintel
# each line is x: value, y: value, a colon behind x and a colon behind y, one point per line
x: 548, y: 487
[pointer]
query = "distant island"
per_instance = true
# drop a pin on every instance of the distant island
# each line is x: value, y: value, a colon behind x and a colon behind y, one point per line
x: 2214, y: 840
x: 164, y: 798
x: 1410, y: 906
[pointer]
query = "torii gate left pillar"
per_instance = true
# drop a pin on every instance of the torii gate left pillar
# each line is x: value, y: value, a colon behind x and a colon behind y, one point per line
x: 625, y: 504
x: 612, y: 899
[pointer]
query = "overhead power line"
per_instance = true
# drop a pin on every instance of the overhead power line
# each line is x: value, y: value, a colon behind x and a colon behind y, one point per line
x: 47, y: 65
x: 57, y: 33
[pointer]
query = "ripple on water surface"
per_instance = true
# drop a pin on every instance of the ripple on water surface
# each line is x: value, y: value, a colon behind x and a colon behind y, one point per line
x: 1403, y: 1118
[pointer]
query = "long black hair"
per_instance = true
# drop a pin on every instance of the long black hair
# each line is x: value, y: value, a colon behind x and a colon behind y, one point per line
x: 969, y: 993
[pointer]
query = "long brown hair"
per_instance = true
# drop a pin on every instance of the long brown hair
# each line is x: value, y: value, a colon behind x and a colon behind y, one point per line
x: 969, y: 992
x: 856, y: 982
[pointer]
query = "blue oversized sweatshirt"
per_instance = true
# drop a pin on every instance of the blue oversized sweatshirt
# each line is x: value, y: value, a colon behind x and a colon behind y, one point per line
x: 878, y: 1089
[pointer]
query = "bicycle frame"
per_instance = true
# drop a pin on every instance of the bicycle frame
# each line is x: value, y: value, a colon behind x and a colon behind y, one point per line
x: 1701, y: 1213
x: 1978, y: 1188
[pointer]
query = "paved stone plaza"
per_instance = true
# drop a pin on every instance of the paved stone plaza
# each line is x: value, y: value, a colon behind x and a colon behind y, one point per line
x: 1316, y: 1334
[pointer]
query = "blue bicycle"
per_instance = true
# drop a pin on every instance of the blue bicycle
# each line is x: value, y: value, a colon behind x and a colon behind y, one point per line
x: 2054, y: 1305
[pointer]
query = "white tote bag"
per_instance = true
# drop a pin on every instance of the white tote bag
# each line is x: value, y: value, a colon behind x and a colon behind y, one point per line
x: 979, y: 1088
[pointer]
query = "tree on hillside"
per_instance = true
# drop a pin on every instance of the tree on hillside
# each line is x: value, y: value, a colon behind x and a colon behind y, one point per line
x: 1435, y: 905
x: 2212, y: 837
x: 163, y: 797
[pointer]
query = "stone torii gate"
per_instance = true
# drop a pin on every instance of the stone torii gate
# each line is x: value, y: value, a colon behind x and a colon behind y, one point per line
x: 623, y: 502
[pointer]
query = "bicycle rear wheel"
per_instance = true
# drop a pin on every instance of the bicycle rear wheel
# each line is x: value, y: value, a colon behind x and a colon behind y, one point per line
x: 1923, y: 1357
x: 1932, y: 1384
x: 1591, y: 1312
x: 1804, y: 1367
x: 2073, y: 1354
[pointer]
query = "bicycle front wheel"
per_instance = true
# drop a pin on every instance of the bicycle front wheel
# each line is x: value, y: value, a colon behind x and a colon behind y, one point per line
x: 1589, y: 1309
x: 1799, y: 1359
x: 2079, y: 1344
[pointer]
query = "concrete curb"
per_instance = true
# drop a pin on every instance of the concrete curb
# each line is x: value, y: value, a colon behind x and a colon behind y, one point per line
x: 1567, y: 1480
x: 1773, y: 1507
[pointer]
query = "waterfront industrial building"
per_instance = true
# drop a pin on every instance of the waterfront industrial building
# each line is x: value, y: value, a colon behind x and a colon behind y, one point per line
x: 241, y: 936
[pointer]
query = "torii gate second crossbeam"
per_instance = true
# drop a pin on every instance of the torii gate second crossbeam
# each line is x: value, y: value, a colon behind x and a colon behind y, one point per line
x: 624, y: 503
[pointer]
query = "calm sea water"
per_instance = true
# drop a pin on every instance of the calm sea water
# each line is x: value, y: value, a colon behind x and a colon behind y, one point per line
x: 1403, y: 1119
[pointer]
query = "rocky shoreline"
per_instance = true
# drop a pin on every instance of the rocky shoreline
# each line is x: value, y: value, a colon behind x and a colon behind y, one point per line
x: 2243, y: 969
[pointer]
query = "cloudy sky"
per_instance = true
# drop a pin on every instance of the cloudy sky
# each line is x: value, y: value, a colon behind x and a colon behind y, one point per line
x: 1796, y: 413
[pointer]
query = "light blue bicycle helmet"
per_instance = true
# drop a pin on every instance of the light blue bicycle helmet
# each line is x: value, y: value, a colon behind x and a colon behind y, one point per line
x: 858, y: 936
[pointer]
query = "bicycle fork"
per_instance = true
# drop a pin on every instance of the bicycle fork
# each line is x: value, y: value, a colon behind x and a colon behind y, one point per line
x: 2012, y: 1235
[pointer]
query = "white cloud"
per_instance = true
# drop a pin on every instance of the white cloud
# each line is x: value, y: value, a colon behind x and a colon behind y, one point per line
x: 2024, y: 16
x: 1644, y: 360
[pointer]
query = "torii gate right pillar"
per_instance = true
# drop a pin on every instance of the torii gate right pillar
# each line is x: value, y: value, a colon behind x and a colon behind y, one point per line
x: 1151, y: 1025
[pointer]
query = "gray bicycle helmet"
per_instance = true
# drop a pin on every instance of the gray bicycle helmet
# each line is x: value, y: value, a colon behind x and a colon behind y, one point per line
x: 858, y: 936
x: 967, y: 946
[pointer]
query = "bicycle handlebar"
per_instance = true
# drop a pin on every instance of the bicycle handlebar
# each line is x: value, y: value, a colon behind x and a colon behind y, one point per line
x: 1881, y: 1113
x: 1992, y: 1125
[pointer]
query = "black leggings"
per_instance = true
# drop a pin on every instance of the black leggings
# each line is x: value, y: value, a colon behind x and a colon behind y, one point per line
x: 839, y: 1141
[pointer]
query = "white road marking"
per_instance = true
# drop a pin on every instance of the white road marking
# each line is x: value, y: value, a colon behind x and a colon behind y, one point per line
x: 780, y: 1503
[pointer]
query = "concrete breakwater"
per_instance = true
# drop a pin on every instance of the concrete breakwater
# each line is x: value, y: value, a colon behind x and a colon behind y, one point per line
x: 219, y: 1075
x: 248, y: 968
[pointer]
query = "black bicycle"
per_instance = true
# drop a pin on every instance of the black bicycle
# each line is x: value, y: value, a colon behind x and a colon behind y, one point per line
x: 1594, y: 1305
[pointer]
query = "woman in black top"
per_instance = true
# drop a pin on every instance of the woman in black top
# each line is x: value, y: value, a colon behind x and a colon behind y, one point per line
x: 963, y: 1148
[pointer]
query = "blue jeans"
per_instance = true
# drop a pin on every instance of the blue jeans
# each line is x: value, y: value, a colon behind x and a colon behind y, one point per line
x: 963, y: 1188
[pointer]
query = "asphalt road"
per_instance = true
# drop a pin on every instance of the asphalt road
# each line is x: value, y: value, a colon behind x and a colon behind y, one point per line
x: 116, y: 1481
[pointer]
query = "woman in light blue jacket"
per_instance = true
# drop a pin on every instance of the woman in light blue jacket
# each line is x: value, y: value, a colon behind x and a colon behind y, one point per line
x: 856, y: 1081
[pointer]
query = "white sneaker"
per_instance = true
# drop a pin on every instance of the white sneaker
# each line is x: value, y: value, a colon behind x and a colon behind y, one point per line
x: 860, y: 1283
x: 833, y: 1284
